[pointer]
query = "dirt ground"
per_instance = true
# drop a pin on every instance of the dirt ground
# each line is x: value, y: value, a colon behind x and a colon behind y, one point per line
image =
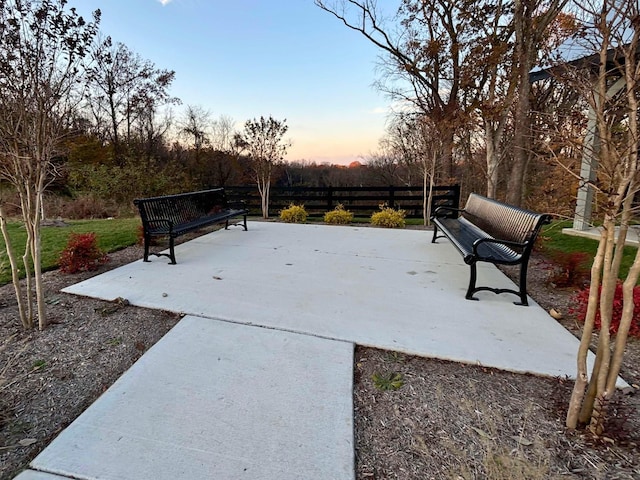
x: 416, y: 418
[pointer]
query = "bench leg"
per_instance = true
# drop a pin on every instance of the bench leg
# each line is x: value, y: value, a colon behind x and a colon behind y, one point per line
x: 172, y: 254
x: 472, y: 283
x: 147, y: 241
x: 522, y: 287
x: 243, y: 224
x: 435, y: 234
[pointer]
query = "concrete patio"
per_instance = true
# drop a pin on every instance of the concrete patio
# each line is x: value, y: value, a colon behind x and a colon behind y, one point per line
x: 255, y: 381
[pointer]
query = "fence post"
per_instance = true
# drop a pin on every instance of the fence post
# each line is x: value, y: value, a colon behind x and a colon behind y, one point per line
x: 392, y: 190
x: 329, y: 198
x: 456, y: 194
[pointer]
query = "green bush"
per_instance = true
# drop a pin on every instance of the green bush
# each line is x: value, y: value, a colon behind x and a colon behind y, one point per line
x: 338, y: 216
x: 294, y: 214
x: 388, y: 218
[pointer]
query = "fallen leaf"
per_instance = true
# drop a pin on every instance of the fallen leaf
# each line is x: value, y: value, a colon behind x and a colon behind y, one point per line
x: 25, y: 442
x: 420, y: 445
x: 555, y: 314
x: 409, y: 423
x: 482, y: 433
x: 522, y: 441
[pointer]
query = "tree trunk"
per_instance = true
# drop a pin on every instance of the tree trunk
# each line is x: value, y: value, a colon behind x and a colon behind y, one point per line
x: 625, y: 322
x: 515, y: 182
x: 37, y: 257
x: 266, y: 196
x: 593, y: 411
x: 448, y: 144
x: 525, y: 45
x: 27, y: 322
x: 493, y: 138
x: 582, y: 378
x: 425, y: 202
x: 264, y: 185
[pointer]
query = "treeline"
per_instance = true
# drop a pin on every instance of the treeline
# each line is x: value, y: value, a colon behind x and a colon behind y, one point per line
x: 93, y: 182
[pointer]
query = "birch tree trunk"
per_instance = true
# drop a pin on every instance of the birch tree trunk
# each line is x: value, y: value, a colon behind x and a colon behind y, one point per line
x: 618, y: 182
x: 493, y: 138
x: 27, y: 322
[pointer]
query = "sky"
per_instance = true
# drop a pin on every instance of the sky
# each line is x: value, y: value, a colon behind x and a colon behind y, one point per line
x: 250, y: 58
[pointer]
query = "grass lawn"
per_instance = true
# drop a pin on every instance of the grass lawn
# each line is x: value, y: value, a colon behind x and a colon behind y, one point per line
x: 112, y: 235
x: 555, y: 243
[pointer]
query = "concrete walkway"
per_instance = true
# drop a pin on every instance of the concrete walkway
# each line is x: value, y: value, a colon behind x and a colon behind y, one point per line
x: 256, y: 381
x: 217, y: 400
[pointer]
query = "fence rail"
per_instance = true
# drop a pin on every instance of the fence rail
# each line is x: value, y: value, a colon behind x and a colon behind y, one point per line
x: 362, y: 201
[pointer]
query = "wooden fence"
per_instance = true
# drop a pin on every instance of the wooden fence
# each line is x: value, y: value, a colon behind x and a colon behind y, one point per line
x: 362, y: 201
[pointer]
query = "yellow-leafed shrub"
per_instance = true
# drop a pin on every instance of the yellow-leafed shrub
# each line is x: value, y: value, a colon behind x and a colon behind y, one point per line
x: 338, y: 216
x: 388, y: 218
x: 294, y: 214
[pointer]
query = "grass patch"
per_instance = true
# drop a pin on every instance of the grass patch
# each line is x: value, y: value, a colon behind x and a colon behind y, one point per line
x: 112, y: 235
x: 553, y: 241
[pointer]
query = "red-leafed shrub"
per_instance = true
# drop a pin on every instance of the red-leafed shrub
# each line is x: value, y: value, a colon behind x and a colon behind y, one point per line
x: 582, y: 300
x: 81, y: 254
x: 140, y: 235
x: 572, y: 269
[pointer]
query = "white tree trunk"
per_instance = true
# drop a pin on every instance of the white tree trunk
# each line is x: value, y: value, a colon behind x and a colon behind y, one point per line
x: 27, y: 322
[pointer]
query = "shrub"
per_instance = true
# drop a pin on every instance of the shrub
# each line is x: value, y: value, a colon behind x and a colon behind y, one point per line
x: 582, y: 300
x: 572, y: 269
x: 388, y: 217
x: 81, y: 254
x: 140, y: 235
x: 338, y: 216
x: 294, y: 214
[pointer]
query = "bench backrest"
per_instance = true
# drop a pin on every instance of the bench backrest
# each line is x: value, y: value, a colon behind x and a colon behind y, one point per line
x: 502, y: 221
x: 181, y: 208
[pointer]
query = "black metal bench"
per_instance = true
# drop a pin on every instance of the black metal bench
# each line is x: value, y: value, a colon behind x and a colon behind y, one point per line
x: 174, y: 215
x: 490, y: 231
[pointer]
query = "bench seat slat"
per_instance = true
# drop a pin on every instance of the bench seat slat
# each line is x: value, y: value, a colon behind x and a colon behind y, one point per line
x: 463, y: 236
x: 161, y: 229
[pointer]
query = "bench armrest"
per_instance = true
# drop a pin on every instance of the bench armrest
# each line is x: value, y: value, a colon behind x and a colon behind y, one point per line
x: 444, y: 211
x: 507, y: 243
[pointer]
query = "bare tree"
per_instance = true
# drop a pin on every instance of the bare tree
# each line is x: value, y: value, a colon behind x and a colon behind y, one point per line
x: 460, y: 57
x: 125, y: 91
x: 416, y: 140
x: 194, y: 125
x: 225, y: 157
x: 42, y: 48
x: 263, y: 140
x: 427, y: 53
x: 490, y: 83
x: 531, y: 19
x: 610, y: 83
x: 385, y: 162
x: 222, y: 134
